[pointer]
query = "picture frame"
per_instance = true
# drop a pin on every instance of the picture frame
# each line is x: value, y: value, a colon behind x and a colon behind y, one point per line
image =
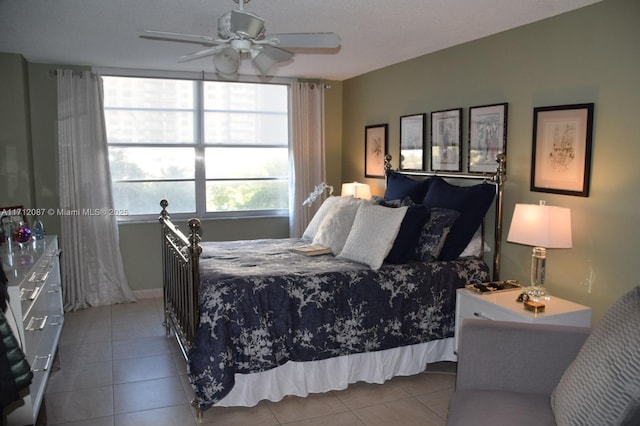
x: 446, y: 140
x: 412, y: 139
x: 487, y: 136
x: 561, y: 150
x: 375, y: 149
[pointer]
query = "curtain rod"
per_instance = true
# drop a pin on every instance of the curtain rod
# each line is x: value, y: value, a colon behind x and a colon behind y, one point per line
x: 76, y: 73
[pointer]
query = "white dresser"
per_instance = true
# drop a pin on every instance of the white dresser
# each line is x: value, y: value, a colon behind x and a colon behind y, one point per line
x: 36, y: 306
x: 503, y: 306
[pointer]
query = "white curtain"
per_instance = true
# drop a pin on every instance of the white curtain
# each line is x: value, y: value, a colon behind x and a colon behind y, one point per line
x: 91, y: 262
x: 308, y: 160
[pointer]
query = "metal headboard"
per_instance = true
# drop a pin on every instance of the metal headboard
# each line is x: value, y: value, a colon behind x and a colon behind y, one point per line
x: 498, y: 179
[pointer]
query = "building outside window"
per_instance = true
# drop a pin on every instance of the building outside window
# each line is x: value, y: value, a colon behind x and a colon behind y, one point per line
x: 213, y: 149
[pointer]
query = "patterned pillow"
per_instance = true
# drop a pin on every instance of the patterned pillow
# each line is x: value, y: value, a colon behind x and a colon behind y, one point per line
x: 434, y: 233
x: 373, y: 232
x: 471, y: 201
x: 602, y: 385
x: 404, y: 246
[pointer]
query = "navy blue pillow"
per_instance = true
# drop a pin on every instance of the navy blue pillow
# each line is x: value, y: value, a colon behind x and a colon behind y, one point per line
x: 405, y: 244
x: 471, y: 201
x: 401, y: 186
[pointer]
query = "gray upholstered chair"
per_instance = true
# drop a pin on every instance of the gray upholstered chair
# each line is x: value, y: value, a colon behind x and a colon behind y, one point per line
x: 534, y: 374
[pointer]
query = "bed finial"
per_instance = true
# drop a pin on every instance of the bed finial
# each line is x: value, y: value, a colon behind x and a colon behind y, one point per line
x: 387, y: 163
x: 164, y: 213
x: 194, y: 236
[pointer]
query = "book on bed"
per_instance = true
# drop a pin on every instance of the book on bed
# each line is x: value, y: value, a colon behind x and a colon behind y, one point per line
x: 312, y: 250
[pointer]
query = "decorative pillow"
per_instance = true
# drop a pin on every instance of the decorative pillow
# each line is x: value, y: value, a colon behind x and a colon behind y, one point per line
x: 434, y: 234
x: 401, y: 202
x: 471, y: 201
x: 474, y: 248
x: 400, y: 186
x: 312, y: 228
x: 372, y: 235
x: 335, y: 226
x: 602, y: 384
x: 404, y: 246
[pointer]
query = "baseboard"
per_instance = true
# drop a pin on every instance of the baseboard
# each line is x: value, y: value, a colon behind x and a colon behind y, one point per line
x: 148, y: 294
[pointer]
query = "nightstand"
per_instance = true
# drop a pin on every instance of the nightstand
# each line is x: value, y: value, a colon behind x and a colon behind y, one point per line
x: 502, y: 306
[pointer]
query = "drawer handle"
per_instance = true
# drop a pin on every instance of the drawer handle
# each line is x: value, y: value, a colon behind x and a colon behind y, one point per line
x: 54, y: 289
x: 43, y: 324
x: 34, y: 294
x: 39, y: 277
x: 481, y: 315
x: 59, y: 321
x: 46, y: 365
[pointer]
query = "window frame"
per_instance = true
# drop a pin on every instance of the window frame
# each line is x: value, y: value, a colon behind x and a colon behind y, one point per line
x: 199, y: 145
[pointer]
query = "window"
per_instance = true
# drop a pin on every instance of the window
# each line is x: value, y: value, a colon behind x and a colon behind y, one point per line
x: 211, y: 148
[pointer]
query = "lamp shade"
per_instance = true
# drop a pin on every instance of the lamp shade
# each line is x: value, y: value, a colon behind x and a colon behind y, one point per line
x: 356, y: 189
x: 541, y: 226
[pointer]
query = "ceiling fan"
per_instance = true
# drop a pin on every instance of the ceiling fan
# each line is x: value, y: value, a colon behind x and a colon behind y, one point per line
x: 242, y: 34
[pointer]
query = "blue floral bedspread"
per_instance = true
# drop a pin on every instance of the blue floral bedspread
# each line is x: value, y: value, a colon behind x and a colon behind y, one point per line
x: 262, y: 305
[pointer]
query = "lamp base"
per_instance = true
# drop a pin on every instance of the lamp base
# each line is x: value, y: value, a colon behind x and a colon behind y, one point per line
x: 536, y: 292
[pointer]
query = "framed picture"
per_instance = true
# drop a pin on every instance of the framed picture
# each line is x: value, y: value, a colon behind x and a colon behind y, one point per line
x: 487, y: 137
x: 446, y: 140
x: 561, y: 157
x: 375, y: 149
x: 412, y: 131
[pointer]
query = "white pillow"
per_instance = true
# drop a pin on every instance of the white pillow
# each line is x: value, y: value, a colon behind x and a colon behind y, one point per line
x: 474, y: 248
x: 372, y: 235
x: 336, y: 224
x: 312, y: 228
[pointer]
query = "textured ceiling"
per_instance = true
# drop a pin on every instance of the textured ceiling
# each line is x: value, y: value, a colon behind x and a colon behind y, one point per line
x: 374, y: 33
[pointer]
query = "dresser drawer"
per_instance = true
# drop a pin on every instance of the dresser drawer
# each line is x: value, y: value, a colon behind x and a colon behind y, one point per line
x: 45, y: 309
x: 36, y: 305
x: 474, y: 308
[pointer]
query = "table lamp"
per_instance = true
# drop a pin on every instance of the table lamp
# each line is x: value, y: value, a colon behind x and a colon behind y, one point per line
x: 542, y: 227
x: 357, y: 190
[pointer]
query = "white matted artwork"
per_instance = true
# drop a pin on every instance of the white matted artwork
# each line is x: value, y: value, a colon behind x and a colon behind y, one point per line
x: 375, y: 149
x: 446, y: 140
x: 412, y: 130
x: 561, y: 157
x: 487, y: 137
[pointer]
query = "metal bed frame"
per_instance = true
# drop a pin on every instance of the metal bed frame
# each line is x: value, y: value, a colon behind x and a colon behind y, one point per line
x: 181, y: 261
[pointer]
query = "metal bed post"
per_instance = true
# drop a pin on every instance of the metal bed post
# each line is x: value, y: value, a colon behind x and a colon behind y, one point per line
x: 181, y: 284
x: 194, y: 254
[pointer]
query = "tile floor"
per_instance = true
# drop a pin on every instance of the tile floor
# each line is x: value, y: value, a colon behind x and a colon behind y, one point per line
x: 115, y: 367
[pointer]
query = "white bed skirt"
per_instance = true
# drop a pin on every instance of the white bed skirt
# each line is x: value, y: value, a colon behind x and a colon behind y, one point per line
x: 303, y: 378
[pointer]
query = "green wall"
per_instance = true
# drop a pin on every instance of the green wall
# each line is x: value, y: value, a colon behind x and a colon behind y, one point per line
x: 16, y: 185
x: 589, y: 55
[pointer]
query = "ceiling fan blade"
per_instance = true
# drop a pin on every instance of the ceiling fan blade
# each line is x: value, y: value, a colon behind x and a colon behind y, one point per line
x: 246, y: 24
x: 268, y: 56
x: 200, y: 54
x: 305, y: 40
x: 191, y: 38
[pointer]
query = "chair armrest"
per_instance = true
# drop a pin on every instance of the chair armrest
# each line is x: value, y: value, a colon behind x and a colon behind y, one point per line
x: 518, y: 357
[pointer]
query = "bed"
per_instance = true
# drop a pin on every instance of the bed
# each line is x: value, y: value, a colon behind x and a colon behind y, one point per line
x: 258, y: 320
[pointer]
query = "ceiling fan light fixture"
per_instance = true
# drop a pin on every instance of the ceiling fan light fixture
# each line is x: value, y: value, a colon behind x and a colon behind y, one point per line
x: 227, y: 61
x: 266, y: 57
x: 246, y: 24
